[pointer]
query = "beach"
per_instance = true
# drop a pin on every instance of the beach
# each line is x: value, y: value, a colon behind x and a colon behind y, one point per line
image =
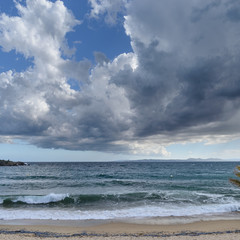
x: 210, y: 230
x: 119, y: 201
x: 119, y: 119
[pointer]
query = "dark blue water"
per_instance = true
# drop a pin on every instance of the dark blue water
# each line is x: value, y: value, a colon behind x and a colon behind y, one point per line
x: 117, y: 190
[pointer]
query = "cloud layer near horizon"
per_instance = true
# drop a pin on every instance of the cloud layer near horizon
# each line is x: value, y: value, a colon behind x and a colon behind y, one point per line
x: 180, y: 84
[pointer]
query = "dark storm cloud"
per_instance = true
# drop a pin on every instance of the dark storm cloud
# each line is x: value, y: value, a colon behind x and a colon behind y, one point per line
x: 169, y: 96
x: 233, y: 14
x: 195, y: 85
x: 180, y: 83
x: 199, y: 12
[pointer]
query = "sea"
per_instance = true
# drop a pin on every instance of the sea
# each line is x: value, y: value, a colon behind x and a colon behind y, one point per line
x: 117, y: 191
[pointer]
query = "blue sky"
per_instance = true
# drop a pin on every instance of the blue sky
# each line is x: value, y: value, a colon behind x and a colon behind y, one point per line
x: 108, y: 80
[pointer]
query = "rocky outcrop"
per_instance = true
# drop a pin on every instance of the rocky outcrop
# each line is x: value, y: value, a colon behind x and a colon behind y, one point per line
x: 11, y: 163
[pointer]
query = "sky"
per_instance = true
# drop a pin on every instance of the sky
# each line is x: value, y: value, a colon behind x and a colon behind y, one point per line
x: 101, y: 80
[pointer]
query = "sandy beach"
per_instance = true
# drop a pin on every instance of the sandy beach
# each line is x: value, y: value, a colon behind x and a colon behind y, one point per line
x: 209, y: 230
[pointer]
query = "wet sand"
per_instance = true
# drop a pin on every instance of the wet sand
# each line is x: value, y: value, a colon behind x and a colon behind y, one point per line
x: 202, y: 230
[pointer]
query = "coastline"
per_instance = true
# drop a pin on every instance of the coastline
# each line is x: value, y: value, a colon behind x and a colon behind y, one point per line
x: 211, y: 230
x: 130, y: 201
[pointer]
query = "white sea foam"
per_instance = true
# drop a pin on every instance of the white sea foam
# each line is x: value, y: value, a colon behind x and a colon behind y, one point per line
x: 137, y: 212
x: 52, y: 197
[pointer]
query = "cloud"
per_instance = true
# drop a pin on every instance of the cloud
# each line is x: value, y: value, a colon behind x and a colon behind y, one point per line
x: 40, y: 25
x: 187, y: 75
x: 146, y: 147
x: 100, y: 58
x: 107, y: 8
x: 38, y: 98
x: 180, y: 84
x: 39, y: 104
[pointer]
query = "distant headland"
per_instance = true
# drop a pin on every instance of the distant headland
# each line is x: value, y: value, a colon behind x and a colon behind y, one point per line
x: 11, y: 163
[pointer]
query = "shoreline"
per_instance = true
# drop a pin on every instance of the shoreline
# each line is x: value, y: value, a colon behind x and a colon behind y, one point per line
x: 160, y: 220
x: 120, y: 230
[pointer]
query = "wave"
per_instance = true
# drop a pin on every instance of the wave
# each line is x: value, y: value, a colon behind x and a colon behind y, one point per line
x: 77, y: 200
x: 126, y: 213
x: 35, y: 200
x: 115, y: 206
x: 134, y: 198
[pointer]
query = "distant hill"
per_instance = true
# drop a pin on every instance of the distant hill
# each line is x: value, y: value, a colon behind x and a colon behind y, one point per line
x: 6, y: 163
x: 178, y: 160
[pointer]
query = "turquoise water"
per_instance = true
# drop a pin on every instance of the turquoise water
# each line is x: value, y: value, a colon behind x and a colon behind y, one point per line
x: 82, y: 191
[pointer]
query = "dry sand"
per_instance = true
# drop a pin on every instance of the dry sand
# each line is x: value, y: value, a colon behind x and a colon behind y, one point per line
x: 203, y: 230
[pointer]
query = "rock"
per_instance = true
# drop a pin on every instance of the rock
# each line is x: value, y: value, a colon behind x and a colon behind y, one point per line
x: 11, y: 163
